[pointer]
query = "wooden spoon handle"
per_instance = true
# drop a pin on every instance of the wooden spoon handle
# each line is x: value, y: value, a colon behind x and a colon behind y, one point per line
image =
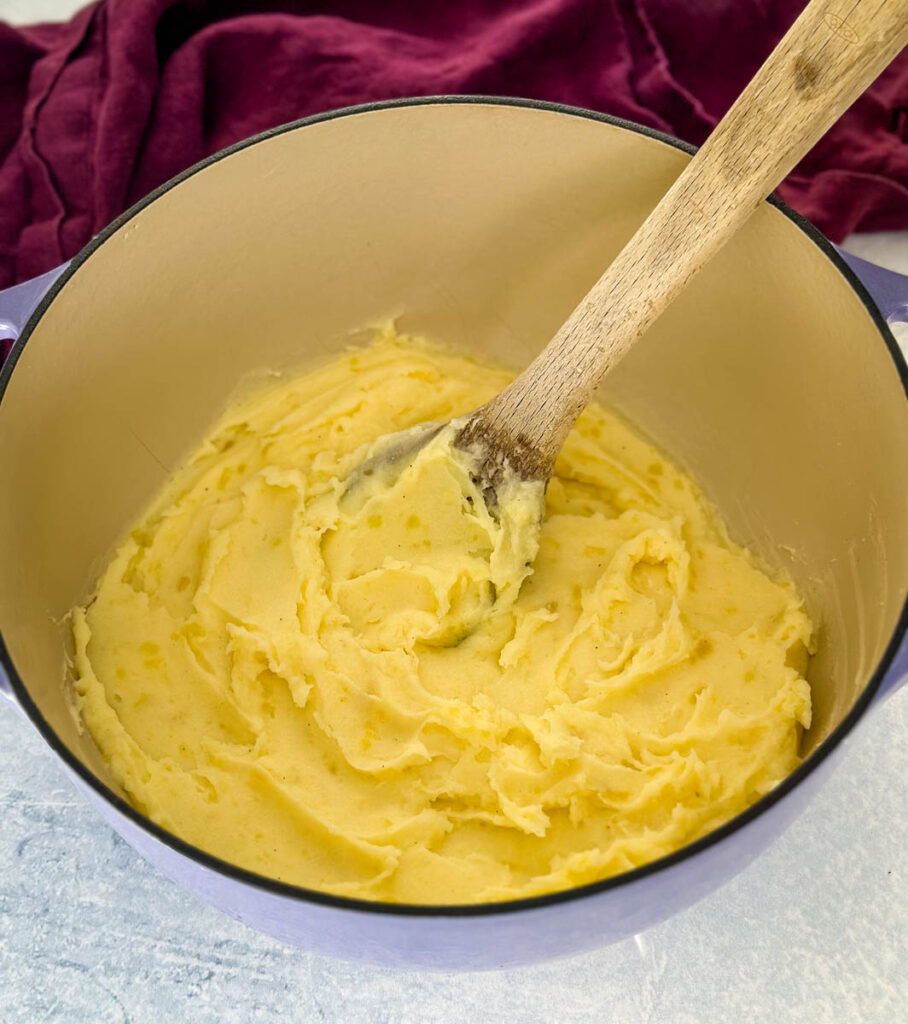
x: 830, y: 55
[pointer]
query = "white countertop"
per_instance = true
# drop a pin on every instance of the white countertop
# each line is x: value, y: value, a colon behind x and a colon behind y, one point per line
x: 816, y: 931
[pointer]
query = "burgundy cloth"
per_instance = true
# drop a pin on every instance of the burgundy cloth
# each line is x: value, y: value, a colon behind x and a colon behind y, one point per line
x: 96, y: 112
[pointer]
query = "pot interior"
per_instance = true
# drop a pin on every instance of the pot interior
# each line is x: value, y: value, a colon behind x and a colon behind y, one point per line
x: 479, y: 225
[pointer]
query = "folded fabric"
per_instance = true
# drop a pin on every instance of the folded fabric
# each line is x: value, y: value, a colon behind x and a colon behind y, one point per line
x: 96, y: 112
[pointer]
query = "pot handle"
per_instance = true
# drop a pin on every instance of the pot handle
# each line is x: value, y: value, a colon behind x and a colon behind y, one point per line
x: 888, y: 289
x: 18, y: 303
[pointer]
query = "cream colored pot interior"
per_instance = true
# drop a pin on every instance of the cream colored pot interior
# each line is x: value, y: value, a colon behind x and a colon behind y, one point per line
x: 480, y: 225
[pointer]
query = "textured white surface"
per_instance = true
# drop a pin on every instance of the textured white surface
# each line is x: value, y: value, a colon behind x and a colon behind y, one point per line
x: 32, y: 12
x: 887, y: 248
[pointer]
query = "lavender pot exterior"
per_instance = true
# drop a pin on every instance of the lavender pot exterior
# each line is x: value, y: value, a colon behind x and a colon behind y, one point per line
x: 485, y: 941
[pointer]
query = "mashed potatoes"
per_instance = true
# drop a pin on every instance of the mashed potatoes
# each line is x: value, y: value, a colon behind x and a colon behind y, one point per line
x: 350, y: 689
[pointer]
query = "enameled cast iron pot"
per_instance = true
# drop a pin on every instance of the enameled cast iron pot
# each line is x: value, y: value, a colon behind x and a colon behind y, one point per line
x: 774, y: 379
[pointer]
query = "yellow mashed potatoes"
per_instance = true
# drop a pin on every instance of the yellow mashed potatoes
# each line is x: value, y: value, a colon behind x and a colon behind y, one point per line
x: 349, y: 689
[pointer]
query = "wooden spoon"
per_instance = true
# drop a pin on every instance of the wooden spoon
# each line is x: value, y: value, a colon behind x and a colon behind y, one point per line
x: 831, y: 54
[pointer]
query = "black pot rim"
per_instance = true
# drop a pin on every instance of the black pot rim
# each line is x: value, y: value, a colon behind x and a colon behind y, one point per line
x: 300, y: 893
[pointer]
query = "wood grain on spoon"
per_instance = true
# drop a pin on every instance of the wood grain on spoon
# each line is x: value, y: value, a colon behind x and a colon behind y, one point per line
x: 830, y: 55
